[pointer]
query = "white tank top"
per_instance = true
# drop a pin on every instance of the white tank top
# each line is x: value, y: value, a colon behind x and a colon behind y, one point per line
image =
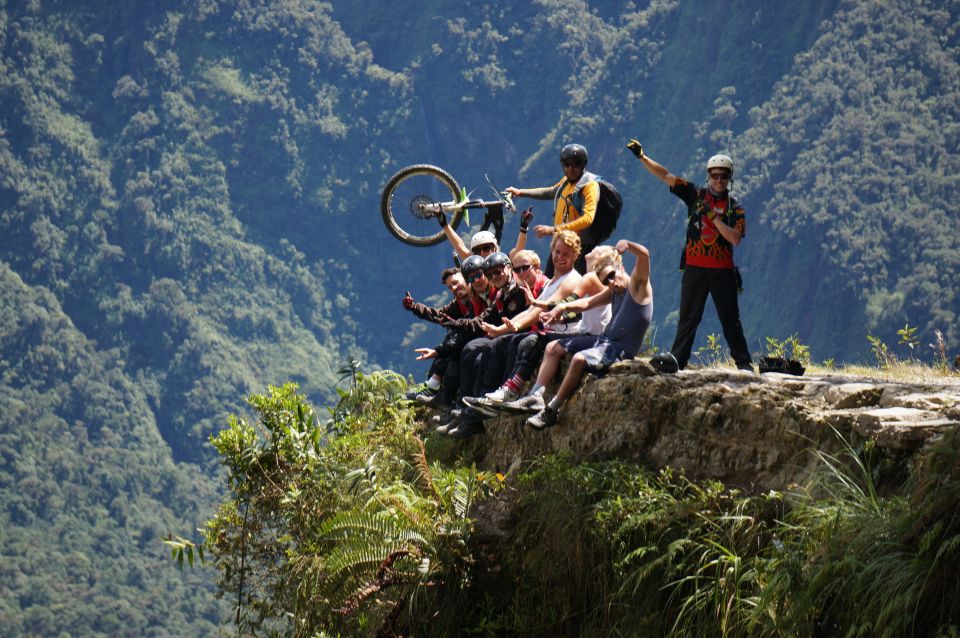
x: 595, y: 320
x: 548, y: 290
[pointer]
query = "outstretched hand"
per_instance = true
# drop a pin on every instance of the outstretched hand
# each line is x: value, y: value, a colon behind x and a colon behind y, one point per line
x: 408, y: 301
x: 425, y: 353
x: 635, y: 148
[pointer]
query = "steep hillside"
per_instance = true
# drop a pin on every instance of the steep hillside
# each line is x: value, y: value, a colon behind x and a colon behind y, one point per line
x: 88, y: 488
x: 189, y: 194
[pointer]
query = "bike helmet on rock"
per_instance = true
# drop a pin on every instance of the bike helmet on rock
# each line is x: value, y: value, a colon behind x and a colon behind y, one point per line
x: 720, y: 161
x: 471, y: 266
x: 483, y: 237
x: 494, y: 261
x: 574, y: 152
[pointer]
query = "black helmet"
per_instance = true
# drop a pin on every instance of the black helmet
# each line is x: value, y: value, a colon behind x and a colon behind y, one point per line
x: 665, y: 363
x: 471, y: 266
x: 495, y: 260
x: 574, y: 152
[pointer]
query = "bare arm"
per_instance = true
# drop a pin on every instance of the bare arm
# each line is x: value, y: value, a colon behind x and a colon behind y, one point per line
x: 640, y: 288
x: 653, y: 167
x: 457, y: 243
x: 659, y: 171
x: 578, y: 305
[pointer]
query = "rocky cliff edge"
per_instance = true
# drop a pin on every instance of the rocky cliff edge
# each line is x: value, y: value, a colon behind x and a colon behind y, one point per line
x: 744, y: 429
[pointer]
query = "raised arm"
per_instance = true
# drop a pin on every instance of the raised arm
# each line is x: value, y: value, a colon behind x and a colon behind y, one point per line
x: 653, y: 167
x: 640, y: 287
x: 456, y: 241
x: 525, y: 218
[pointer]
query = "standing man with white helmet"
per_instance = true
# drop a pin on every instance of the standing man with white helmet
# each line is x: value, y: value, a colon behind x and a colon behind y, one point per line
x: 715, y: 224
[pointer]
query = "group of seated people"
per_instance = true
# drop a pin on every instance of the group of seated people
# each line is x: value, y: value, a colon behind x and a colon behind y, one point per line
x: 509, y: 327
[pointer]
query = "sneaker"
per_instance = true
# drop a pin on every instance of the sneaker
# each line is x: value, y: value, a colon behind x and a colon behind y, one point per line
x: 434, y: 401
x: 745, y: 365
x: 501, y: 395
x: 478, y: 405
x: 452, y: 424
x: 466, y: 429
x: 665, y: 363
x: 411, y: 394
x: 544, y: 419
x: 530, y: 404
x: 425, y: 394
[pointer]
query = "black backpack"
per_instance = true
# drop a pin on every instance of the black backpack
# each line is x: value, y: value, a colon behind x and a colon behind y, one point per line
x: 608, y: 211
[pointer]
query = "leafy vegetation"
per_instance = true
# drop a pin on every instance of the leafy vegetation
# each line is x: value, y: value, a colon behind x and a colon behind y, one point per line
x: 360, y: 534
x: 320, y: 527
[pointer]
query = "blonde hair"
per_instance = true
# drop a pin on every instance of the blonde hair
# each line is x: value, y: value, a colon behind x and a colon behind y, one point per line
x: 607, y: 256
x: 528, y: 254
x: 568, y: 237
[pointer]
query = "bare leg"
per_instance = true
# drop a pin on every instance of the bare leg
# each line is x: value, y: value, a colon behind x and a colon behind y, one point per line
x: 550, y: 363
x: 572, y: 379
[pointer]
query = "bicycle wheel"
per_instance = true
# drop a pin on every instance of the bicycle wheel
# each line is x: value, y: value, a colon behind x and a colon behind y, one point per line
x: 412, y: 199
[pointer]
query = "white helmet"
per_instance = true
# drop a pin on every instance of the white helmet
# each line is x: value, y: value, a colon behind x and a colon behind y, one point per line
x: 720, y: 161
x: 483, y: 237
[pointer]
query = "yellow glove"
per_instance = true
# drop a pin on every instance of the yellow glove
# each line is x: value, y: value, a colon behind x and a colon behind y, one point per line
x: 635, y: 148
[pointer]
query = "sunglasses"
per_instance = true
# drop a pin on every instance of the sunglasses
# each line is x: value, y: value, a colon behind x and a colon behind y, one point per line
x: 609, y: 277
x: 571, y: 164
x: 522, y: 268
x: 484, y: 248
x: 496, y: 272
x: 473, y: 277
x: 720, y: 177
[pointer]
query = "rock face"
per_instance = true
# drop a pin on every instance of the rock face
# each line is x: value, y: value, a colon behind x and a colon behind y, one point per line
x: 750, y: 430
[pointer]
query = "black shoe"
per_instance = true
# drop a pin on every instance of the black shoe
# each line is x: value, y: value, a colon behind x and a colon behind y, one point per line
x: 745, y: 366
x: 411, y: 394
x: 452, y: 424
x: 544, y: 419
x: 665, y: 363
x: 466, y: 429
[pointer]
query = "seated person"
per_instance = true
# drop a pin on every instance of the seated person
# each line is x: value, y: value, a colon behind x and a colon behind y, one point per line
x: 481, y: 295
x: 463, y: 305
x: 510, y: 300
x: 530, y: 348
x: 526, y: 266
x: 502, y: 351
x: 631, y: 299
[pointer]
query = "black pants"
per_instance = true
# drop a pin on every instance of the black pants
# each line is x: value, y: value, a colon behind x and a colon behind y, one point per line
x: 449, y: 350
x: 721, y: 284
x: 473, y: 360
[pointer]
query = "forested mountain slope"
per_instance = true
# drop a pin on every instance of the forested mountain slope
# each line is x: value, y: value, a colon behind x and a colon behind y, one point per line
x: 189, y: 192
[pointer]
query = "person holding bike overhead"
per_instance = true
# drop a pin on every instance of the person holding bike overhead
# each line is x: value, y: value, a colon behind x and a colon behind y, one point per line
x: 575, y: 201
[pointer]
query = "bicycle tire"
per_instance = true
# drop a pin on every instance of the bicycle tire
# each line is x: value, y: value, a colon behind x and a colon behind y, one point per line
x: 406, y: 191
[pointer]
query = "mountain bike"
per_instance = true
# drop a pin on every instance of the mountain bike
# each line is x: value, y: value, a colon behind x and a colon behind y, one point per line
x: 415, y: 197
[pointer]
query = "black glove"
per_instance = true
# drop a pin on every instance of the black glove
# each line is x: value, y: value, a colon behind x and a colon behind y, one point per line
x: 442, y: 219
x: 525, y: 218
x: 635, y: 148
x: 408, y: 301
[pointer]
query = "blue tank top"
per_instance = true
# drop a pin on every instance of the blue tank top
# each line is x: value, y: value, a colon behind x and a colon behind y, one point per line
x: 629, y: 322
